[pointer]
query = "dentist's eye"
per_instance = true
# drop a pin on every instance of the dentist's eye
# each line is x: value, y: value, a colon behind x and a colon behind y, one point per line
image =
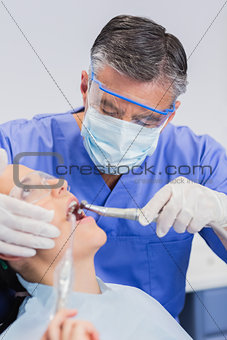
x: 113, y: 114
x: 139, y: 122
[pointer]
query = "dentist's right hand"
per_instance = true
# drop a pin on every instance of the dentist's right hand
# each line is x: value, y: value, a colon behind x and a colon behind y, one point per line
x: 24, y: 227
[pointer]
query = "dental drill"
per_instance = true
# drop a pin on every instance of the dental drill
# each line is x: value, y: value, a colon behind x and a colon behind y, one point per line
x: 64, y: 272
x: 135, y: 214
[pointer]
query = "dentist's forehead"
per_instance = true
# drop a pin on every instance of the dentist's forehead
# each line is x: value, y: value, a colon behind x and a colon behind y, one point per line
x: 149, y: 93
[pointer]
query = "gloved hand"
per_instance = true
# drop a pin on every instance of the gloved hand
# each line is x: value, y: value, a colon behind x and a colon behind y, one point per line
x: 185, y: 205
x: 3, y: 160
x: 23, y: 226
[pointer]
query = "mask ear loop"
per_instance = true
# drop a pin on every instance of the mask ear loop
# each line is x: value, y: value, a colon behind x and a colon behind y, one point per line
x: 92, y: 96
x: 164, y: 123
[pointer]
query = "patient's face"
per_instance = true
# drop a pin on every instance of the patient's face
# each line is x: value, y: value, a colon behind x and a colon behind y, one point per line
x: 88, y: 237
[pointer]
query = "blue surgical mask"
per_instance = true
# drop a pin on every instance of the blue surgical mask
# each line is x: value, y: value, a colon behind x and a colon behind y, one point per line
x: 115, y: 145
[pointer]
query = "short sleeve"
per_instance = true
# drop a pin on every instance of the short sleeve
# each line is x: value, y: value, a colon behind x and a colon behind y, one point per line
x: 11, y: 134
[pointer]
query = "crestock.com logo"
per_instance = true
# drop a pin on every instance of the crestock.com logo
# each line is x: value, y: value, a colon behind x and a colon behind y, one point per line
x: 60, y: 169
x: 136, y: 170
x: 16, y: 170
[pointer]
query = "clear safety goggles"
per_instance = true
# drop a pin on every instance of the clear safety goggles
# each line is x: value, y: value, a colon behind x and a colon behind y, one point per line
x: 109, y: 102
x: 34, y: 186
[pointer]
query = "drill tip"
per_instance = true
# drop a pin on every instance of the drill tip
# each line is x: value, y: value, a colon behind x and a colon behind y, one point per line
x: 83, y: 204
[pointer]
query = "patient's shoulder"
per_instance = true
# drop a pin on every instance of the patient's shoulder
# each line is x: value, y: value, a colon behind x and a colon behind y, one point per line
x: 145, y: 312
x: 136, y: 296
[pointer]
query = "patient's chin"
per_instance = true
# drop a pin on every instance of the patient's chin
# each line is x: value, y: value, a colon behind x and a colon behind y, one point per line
x: 100, y: 238
x: 103, y: 236
x: 90, y: 235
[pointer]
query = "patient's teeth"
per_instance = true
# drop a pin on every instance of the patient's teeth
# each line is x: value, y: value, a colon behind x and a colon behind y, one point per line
x: 72, y: 207
x: 79, y: 211
x: 72, y: 204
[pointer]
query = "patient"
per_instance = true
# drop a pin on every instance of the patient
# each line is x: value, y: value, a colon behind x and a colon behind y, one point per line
x: 116, y: 311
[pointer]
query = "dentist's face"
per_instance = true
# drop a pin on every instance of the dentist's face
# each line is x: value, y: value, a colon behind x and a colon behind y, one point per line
x: 152, y: 94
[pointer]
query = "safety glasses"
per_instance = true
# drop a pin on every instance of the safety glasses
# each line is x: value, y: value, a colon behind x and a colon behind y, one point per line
x: 108, y: 101
x: 35, y: 186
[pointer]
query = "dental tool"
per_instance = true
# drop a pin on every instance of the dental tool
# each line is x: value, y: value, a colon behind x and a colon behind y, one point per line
x: 129, y: 214
x: 135, y: 214
x: 64, y: 272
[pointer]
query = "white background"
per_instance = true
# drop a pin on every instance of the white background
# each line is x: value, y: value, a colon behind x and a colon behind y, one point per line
x: 62, y: 32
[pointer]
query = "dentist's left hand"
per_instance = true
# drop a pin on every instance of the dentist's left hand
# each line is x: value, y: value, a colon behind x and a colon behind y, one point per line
x: 24, y: 227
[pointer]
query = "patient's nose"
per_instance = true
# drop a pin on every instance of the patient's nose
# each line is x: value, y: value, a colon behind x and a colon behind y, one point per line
x: 58, y: 192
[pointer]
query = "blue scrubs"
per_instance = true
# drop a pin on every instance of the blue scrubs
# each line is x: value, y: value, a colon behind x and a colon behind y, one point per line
x: 133, y: 255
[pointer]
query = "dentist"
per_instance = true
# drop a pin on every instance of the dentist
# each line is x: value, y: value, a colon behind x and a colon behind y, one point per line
x: 121, y: 150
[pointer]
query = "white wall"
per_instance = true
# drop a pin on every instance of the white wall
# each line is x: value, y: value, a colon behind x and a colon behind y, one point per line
x: 62, y: 32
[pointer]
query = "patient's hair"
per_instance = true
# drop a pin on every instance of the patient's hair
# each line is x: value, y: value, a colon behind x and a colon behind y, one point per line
x: 9, y: 287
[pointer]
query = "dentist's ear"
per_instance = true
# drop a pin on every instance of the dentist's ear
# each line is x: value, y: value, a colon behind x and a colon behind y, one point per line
x: 84, y: 86
x: 3, y: 160
x: 177, y: 104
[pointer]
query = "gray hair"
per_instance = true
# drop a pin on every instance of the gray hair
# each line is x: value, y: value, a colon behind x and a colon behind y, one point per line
x: 141, y: 49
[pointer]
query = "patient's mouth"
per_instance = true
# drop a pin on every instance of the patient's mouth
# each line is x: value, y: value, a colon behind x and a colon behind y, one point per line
x: 74, y: 208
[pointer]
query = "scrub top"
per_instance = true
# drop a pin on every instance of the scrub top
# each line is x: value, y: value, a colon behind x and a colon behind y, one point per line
x: 133, y: 255
x: 120, y: 312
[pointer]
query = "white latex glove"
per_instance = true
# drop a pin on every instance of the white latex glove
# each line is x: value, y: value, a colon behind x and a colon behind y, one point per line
x: 3, y: 160
x: 185, y: 205
x: 24, y: 227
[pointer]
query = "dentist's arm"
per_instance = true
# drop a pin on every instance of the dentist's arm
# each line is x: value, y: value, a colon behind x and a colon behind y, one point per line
x: 187, y: 206
x: 23, y: 227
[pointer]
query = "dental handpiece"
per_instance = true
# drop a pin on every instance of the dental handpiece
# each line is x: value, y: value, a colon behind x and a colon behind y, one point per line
x: 129, y: 213
x: 64, y: 272
x: 135, y: 214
